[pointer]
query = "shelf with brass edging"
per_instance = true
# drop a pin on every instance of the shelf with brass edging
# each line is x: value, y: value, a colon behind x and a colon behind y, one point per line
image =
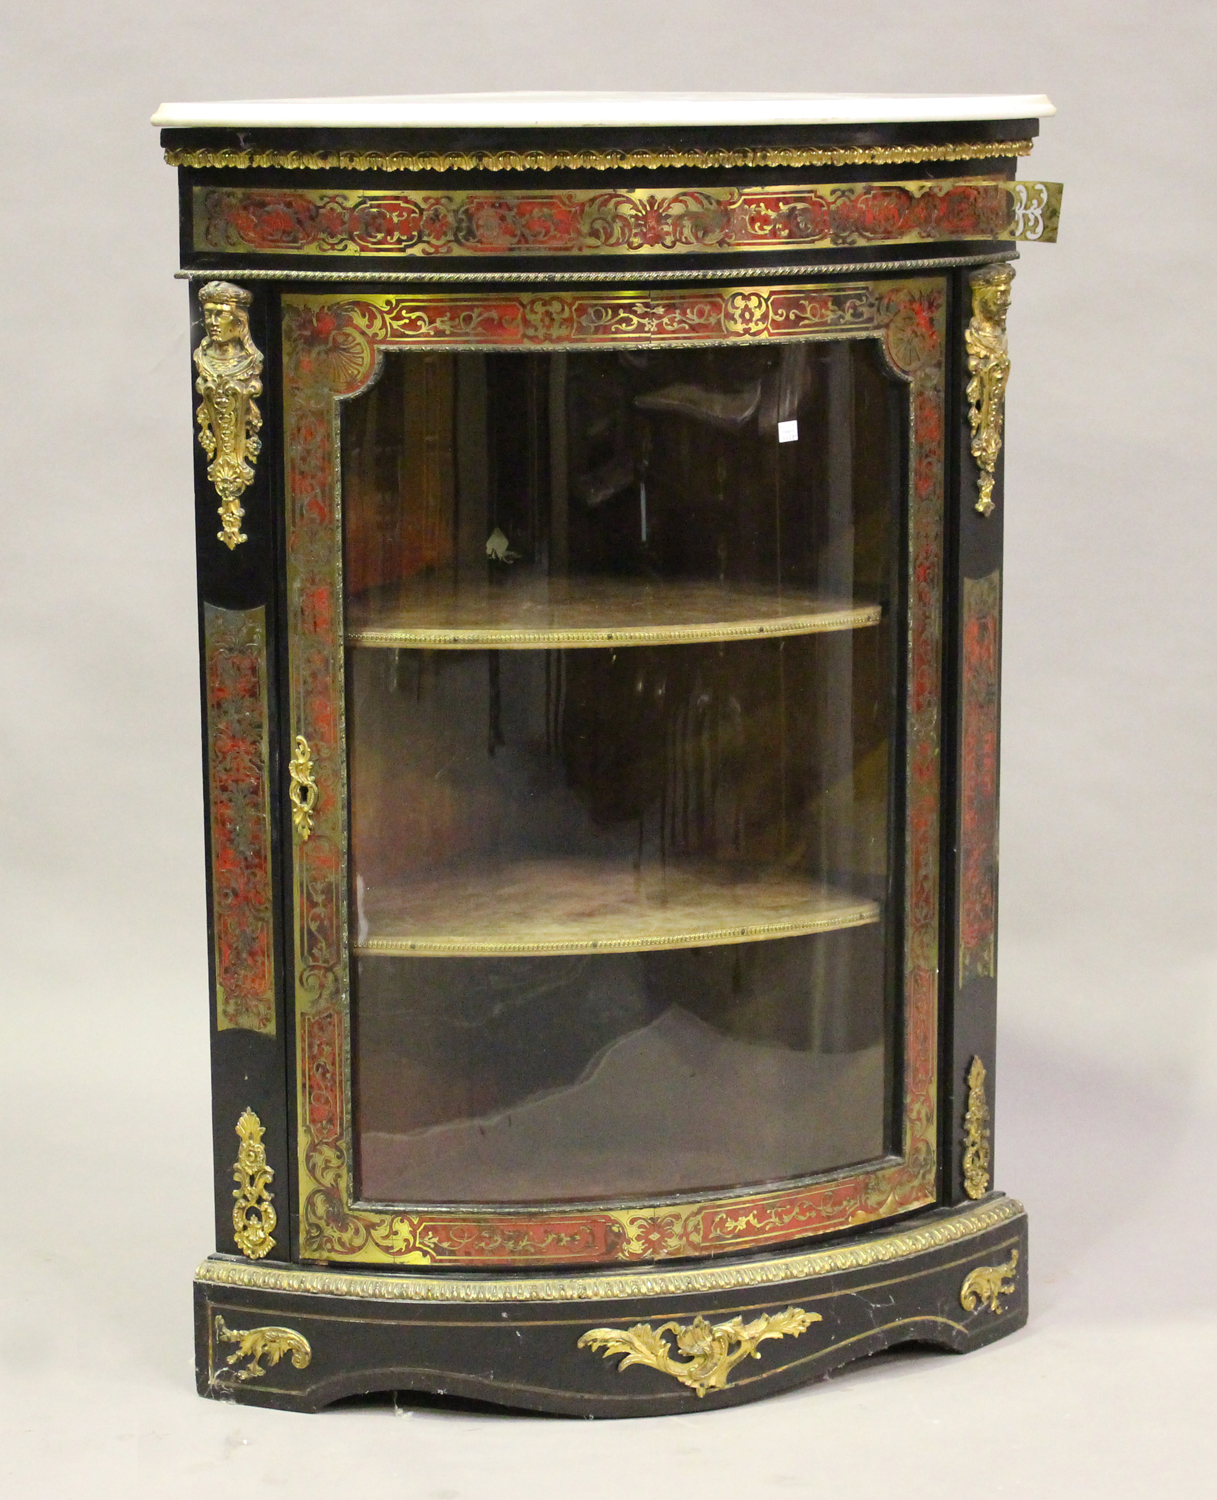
x: 572, y: 905
x: 593, y: 612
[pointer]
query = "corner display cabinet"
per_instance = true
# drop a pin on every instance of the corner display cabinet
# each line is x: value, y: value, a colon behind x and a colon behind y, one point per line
x: 599, y: 532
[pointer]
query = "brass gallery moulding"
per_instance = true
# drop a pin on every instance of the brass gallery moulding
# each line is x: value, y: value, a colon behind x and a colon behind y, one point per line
x: 736, y: 273
x: 591, y: 161
x: 616, y: 1286
x: 617, y: 221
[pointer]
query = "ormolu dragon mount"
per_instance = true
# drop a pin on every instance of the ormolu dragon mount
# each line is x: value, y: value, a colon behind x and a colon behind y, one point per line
x: 599, y: 540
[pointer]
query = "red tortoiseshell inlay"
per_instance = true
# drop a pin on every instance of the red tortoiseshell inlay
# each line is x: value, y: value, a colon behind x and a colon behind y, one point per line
x: 978, y: 773
x: 238, y: 775
x: 683, y: 221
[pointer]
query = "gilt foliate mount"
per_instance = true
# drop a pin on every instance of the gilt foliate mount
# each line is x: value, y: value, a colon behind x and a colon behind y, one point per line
x: 705, y: 1353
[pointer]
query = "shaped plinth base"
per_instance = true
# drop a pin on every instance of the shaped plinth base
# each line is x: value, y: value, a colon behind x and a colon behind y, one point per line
x: 626, y: 1342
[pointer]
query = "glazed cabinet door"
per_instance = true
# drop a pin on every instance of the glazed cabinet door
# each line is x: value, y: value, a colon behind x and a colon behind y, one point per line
x: 614, y: 653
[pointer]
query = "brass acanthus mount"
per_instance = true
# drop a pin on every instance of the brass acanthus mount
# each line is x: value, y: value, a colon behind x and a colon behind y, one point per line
x: 705, y: 1353
x: 989, y: 366
x: 258, y: 1344
x: 987, y: 1285
x: 253, y: 1214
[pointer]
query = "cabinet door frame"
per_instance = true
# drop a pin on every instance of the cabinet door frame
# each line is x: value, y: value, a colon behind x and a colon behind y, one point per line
x: 332, y: 344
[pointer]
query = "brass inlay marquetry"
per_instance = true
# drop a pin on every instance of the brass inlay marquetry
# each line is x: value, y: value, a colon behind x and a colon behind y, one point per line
x: 705, y: 1353
x: 989, y: 366
x: 230, y: 370
x: 618, y: 1285
x: 461, y: 223
x: 986, y: 1285
x: 1037, y: 210
x: 977, y: 1150
x: 303, y: 790
x: 980, y: 687
x: 590, y: 160
x: 258, y: 1344
x: 253, y: 1214
x: 238, y: 787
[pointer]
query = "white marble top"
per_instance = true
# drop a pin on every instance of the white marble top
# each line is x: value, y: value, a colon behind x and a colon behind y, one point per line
x: 555, y: 109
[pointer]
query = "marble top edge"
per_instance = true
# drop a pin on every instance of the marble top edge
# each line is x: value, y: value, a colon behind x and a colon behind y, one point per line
x: 539, y: 110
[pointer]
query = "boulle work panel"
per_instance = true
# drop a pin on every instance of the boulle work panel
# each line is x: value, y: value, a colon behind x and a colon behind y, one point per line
x: 600, y: 605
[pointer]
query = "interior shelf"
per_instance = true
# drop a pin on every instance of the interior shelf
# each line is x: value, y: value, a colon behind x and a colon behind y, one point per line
x: 534, y: 613
x: 572, y: 905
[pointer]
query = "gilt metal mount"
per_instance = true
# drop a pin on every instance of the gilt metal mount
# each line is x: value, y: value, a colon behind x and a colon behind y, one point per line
x: 230, y: 370
x: 976, y: 1140
x: 258, y: 1344
x: 987, y: 1285
x: 989, y: 367
x: 253, y: 1214
x: 705, y: 1353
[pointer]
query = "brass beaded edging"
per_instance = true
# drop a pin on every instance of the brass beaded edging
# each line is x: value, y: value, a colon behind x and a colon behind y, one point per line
x: 594, y: 161
x: 612, y: 1286
x: 709, y: 273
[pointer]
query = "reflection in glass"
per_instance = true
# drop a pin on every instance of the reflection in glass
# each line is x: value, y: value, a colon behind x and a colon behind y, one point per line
x: 622, y: 642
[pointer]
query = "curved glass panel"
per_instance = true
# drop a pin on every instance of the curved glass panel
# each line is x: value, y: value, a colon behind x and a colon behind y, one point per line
x: 622, y: 656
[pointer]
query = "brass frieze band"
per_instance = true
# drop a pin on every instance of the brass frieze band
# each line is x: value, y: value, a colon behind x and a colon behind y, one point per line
x: 977, y: 1149
x: 987, y: 1285
x: 705, y: 1353
x: 616, y: 1285
x: 230, y: 370
x: 589, y: 160
x: 989, y: 366
x: 481, y: 222
x: 253, y: 1214
x: 257, y: 1344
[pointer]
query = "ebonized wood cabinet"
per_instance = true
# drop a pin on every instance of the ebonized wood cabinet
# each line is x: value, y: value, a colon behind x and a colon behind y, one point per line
x: 599, y: 532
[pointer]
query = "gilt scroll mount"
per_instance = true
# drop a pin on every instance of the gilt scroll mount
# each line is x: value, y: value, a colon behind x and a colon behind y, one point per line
x: 253, y: 1214
x: 989, y: 368
x: 705, y: 1353
x: 257, y: 1344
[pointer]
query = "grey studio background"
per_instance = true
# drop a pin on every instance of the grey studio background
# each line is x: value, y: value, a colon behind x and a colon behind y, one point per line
x: 1107, y: 1095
